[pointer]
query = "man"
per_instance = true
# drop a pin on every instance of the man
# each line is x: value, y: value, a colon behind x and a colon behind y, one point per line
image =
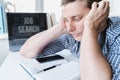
x: 87, y: 32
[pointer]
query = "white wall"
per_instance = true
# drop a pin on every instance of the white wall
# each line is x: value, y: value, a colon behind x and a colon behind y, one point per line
x: 4, y: 50
x: 53, y: 6
x: 115, y: 7
x: 39, y: 5
x: 21, y: 5
x: 1, y: 1
x: 24, y: 5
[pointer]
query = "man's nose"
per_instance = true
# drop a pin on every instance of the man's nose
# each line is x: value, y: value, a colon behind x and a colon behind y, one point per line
x: 70, y: 26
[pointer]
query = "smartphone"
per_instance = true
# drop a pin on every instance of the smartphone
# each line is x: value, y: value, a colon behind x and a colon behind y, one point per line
x: 49, y: 58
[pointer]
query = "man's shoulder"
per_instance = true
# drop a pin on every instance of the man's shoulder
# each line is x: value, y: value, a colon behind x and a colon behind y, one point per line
x: 114, y: 21
x: 114, y: 25
x: 114, y: 18
x: 113, y: 30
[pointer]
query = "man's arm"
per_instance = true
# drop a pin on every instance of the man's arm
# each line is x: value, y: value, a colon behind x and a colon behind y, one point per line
x: 35, y: 44
x: 93, y: 65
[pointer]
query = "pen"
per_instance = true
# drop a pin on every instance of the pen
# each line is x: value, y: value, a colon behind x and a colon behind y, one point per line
x: 48, y: 68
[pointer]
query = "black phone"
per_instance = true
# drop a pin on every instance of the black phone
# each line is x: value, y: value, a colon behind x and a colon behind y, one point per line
x: 49, y: 58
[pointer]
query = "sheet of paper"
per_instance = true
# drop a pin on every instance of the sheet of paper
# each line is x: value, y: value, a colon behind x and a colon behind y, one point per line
x: 68, y: 71
x: 33, y: 66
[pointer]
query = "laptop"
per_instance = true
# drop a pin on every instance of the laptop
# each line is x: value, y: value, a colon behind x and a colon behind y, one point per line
x: 21, y: 26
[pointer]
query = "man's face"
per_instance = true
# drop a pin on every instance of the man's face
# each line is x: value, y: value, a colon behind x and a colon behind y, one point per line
x: 74, y: 14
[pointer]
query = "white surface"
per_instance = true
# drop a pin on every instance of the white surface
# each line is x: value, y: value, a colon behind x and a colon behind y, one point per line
x: 115, y: 7
x: 20, y: 5
x: 63, y: 72
x: 1, y: 1
x: 11, y: 70
x: 34, y: 67
x: 4, y: 49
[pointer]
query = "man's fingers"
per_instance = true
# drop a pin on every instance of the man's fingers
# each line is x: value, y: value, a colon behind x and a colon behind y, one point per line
x: 94, y: 5
x: 107, y: 6
x: 101, y: 4
x: 104, y: 8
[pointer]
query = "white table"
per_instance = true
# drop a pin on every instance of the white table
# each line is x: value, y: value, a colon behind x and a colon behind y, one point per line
x: 11, y: 70
x: 4, y: 49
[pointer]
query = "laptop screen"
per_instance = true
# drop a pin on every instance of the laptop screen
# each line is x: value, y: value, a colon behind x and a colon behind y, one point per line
x: 24, y: 25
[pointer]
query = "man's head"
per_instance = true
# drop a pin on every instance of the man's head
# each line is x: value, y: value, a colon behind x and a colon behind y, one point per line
x: 89, y: 2
x: 74, y: 13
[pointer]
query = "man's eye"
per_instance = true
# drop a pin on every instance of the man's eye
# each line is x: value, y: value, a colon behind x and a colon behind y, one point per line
x: 77, y: 18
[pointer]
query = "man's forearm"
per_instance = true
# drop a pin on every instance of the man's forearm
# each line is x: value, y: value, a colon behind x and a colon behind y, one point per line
x: 93, y: 65
x: 36, y: 43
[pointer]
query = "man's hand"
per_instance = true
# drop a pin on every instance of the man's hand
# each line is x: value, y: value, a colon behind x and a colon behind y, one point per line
x: 62, y: 26
x: 96, y: 18
x: 93, y: 65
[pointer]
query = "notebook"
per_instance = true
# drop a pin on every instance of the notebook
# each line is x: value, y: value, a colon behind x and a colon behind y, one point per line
x: 67, y: 71
x: 23, y: 25
x: 55, y: 67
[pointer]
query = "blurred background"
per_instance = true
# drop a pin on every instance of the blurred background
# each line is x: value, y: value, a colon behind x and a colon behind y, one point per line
x: 49, y: 6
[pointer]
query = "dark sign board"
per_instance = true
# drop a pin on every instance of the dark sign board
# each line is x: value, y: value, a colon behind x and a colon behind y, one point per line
x: 24, y: 25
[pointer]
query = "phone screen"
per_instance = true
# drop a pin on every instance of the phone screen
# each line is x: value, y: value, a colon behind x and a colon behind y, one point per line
x: 49, y: 58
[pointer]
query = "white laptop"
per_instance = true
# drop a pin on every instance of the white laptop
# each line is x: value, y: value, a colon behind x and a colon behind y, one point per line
x: 23, y: 25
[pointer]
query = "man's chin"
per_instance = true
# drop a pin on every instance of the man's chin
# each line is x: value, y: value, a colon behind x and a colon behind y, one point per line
x: 77, y: 38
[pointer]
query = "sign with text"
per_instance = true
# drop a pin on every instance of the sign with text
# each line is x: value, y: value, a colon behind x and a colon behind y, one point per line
x: 24, y: 25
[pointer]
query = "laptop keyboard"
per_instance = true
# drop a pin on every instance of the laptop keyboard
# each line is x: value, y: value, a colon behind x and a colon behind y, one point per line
x: 17, y: 42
